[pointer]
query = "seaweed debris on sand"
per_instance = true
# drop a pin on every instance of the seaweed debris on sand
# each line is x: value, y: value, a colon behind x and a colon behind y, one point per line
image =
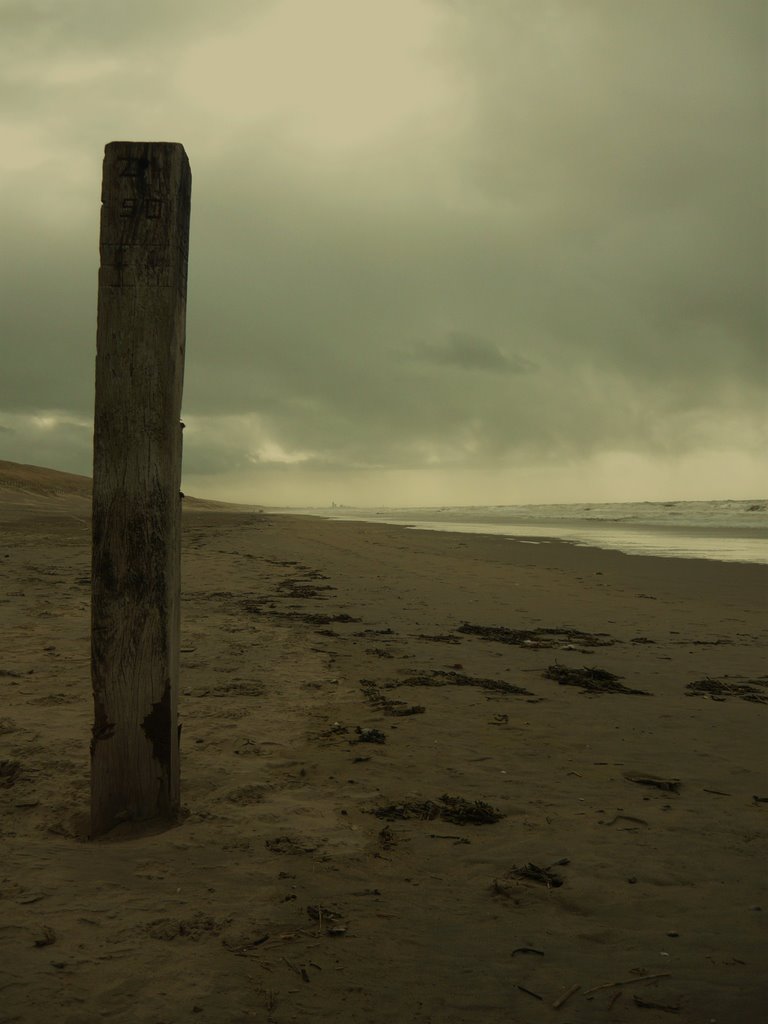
x: 444, y: 677
x: 449, y: 808
x: 591, y: 680
x: 563, y: 637
x: 755, y: 690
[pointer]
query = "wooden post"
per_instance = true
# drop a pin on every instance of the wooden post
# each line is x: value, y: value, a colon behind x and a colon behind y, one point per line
x: 136, y: 483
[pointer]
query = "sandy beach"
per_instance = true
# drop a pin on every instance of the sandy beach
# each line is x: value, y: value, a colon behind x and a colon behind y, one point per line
x: 405, y: 798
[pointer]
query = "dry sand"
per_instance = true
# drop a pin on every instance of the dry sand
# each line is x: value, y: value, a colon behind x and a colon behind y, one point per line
x: 281, y: 897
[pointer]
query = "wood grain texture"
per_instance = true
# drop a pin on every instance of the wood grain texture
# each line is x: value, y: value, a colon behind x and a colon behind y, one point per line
x: 136, y: 480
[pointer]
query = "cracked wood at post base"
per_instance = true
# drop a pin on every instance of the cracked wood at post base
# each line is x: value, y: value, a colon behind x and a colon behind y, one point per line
x: 136, y: 552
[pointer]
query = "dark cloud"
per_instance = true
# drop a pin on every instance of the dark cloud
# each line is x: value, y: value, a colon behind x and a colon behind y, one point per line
x: 466, y: 352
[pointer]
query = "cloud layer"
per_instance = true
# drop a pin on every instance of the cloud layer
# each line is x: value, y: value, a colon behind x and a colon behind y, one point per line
x: 431, y: 239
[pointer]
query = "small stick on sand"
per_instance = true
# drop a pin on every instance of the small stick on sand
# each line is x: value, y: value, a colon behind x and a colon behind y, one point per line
x: 529, y: 993
x: 288, y: 962
x: 629, y: 981
x: 565, y: 997
x: 625, y: 817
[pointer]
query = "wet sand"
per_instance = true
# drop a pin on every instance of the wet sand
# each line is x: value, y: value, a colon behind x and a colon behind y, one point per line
x: 308, y: 645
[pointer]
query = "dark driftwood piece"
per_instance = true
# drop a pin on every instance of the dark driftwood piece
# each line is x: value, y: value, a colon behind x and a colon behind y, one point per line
x: 136, y: 479
x: 668, y: 785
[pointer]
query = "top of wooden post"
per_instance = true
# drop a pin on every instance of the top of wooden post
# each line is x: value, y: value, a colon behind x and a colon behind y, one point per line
x: 145, y: 195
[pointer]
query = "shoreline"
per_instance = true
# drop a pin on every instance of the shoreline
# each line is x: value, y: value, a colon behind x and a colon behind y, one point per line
x: 614, y: 536
x: 307, y: 643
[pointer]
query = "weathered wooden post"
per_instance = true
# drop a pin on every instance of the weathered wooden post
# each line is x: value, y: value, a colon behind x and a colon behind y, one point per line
x: 136, y: 479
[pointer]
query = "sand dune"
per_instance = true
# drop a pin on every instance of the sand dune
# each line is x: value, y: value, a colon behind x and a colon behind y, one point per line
x: 16, y: 476
x: 407, y: 797
x: 35, y: 486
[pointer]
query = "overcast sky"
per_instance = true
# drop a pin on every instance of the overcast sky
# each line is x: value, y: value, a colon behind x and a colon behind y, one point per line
x: 442, y: 251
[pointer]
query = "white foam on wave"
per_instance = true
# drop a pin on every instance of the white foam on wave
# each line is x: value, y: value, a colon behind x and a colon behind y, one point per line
x: 727, y: 531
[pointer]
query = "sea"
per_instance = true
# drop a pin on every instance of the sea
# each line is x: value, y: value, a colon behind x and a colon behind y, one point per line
x: 726, y: 531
